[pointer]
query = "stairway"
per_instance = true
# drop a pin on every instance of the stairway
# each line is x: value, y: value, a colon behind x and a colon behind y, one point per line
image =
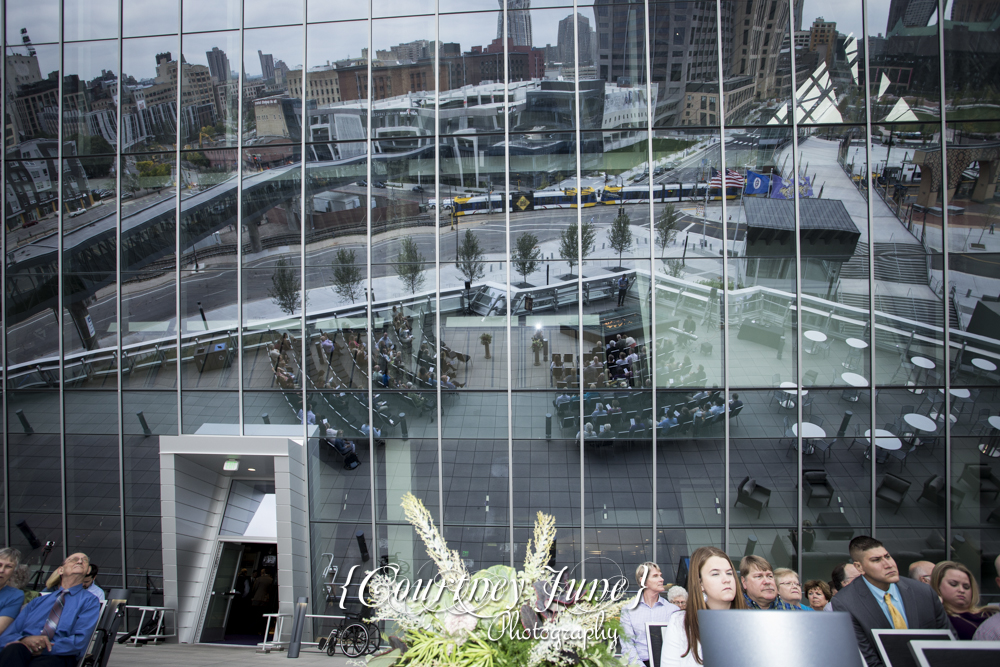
x: 900, y: 263
x: 857, y: 266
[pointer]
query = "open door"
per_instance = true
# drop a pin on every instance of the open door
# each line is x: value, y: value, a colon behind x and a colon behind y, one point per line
x: 222, y: 593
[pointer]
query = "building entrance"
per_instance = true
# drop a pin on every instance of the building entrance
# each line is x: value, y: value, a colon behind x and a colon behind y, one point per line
x: 245, y: 588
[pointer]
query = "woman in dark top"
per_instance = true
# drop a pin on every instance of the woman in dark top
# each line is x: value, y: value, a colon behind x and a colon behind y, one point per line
x: 959, y: 593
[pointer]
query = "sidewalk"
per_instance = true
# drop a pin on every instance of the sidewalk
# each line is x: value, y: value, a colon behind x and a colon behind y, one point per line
x: 208, y: 655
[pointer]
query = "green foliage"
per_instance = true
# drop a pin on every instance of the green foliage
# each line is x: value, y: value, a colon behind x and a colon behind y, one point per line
x: 198, y: 159
x: 526, y: 255
x: 347, y: 276
x: 675, y: 267
x: 620, y: 234
x: 568, y: 243
x: 285, y: 289
x: 409, y: 265
x: 470, y: 258
x: 666, y: 226
x: 717, y: 283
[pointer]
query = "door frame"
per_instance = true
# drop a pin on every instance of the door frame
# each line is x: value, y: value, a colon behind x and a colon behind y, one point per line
x: 206, y: 593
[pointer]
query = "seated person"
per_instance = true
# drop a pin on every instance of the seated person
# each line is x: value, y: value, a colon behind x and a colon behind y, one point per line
x: 592, y: 393
x: 406, y: 337
x: 700, y: 396
x: 384, y: 341
x: 310, y: 416
x: 424, y: 376
x: 366, y: 429
x: 562, y: 399
x: 735, y: 402
x: 11, y: 598
x: 616, y: 408
x: 689, y: 325
x: 639, y: 425
x: 326, y: 344
x: 448, y: 384
x: 284, y: 379
x: 667, y: 421
x: 32, y: 638
x: 588, y: 432
x: 419, y: 400
x: 90, y: 583
x: 718, y: 408
x: 599, y: 410
x: 595, y: 362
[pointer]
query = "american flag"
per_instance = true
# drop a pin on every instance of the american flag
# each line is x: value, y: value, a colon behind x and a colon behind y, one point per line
x: 733, y: 177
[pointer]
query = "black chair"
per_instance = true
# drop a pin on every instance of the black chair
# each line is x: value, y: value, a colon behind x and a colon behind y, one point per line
x: 892, y: 490
x: 106, y: 630
x: 980, y: 478
x: 816, y: 485
x: 752, y: 494
x: 809, y: 378
x: 823, y: 446
x: 934, y: 491
x: 734, y: 414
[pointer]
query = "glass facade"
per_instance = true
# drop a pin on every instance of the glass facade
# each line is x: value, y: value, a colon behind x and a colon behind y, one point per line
x: 415, y: 219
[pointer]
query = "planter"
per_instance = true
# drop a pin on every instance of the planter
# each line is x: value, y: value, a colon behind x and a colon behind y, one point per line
x: 487, y: 346
x: 537, y: 362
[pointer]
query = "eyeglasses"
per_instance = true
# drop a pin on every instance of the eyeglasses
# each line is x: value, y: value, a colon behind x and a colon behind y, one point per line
x: 79, y: 559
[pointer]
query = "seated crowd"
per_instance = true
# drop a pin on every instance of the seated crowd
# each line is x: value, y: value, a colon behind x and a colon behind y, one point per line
x: 869, y: 587
x: 52, y: 629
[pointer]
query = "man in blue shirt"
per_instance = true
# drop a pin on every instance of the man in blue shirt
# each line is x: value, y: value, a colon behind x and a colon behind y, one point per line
x: 11, y: 599
x: 53, y: 630
x: 90, y: 583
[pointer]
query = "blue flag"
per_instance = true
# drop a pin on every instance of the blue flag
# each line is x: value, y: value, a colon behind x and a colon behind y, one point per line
x: 781, y: 189
x: 778, y: 189
x: 757, y: 184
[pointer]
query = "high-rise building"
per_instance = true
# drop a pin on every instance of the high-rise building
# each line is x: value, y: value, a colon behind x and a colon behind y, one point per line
x: 218, y: 64
x: 266, y: 64
x: 518, y: 22
x: 568, y: 47
x: 913, y: 13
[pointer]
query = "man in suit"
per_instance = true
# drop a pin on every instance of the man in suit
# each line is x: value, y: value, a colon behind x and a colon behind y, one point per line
x: 879, y: 598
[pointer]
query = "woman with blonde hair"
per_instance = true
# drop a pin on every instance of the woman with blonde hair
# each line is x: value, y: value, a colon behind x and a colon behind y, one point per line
x: 959, y: 593
x: 713, y: 583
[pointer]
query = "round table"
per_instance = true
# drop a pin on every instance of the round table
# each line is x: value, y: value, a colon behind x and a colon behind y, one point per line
x: 815, y: 337
x: 920, y: 422
x: 856, y: 345
x: 884, y: 439
x: 854, y: 380
x: 992, y: 446
x: 792, y: 390
x: 922, y: 363
x: 809, y: 431
x: 983, y: 366
x: 957, y: 393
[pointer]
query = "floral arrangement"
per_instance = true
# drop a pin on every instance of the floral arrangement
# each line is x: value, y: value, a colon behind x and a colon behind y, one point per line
x: 536, y: 344
x: 497, y: 617
x: 485, y: 338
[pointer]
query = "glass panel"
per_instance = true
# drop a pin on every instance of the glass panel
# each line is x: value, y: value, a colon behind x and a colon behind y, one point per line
x: 259, y: 13
x: 335, y: 10
x: 32, y: 92
x: 476, y: 476
x: 149, y: 112
x: 90, y: 19
x: 89, y: 105
x: 92, y: 452
x: 903, y: 63
x: 38, y: 21
x: 148, y: 17
x: 210, y: 90
x: 202, y: 17
x: 269, y: 116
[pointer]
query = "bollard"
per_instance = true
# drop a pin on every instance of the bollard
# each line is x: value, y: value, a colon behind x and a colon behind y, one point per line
x: 402, y: 426
x: 548, y: 425
x: 545, y: 349
x: 142, y: 422
x: 24, y: 422
x: 751, y: 545
x: 266, y: 418
x: 843, y: 424
x: 203, y: 318
x: 298, y: 622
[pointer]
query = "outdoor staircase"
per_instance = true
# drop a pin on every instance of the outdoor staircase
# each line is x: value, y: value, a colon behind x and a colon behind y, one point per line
x: 901, y: 263
x: 928, y: 311
x: 857, y: 266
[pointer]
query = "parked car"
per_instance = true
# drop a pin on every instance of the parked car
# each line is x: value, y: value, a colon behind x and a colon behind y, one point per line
x: 362, y: 183
x: 378, y: 184
x: 417, y: 188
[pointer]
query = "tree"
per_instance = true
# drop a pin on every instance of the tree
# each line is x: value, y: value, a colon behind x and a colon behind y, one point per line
x: 620, y: 234
x: 347, y: 276
x: 410, y: 265
x: 525, y: 254
x: 285, y: 289
x: 675, y: 267
x: 568, y: 243
x: 470, y: 258
x: 666, y: 227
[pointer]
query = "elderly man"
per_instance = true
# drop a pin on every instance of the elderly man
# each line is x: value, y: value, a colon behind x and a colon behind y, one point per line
x: 759, y: 589
x: 53, y: 630
x: 11, y: 599
x: 879, y: 598
x: 649, y: 607
x: 921, y: 571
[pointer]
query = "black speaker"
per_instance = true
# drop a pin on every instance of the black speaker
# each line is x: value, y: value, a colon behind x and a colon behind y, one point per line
x: 468, y: 284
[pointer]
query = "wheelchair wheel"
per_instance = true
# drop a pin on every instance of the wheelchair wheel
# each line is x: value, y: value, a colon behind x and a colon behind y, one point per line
x: 331, y: 642
x: 374, y: 638
x: 354, y: 640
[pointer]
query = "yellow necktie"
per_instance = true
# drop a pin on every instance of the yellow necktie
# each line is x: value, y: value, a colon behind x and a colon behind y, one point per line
x: 898, y: 621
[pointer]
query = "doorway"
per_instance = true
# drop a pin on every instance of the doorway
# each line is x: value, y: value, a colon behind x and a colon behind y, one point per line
x: 245, y: 588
